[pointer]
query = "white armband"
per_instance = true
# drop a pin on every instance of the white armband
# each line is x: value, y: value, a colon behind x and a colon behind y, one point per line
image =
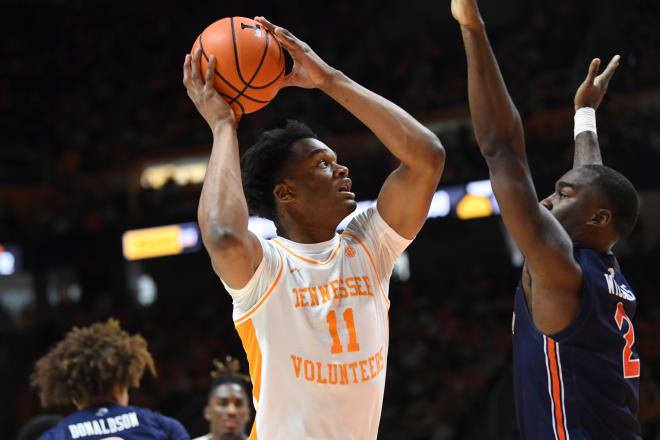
x: 585, y: 120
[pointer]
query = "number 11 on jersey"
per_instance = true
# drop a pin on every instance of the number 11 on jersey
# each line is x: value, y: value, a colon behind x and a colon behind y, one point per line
x: 350, y: 325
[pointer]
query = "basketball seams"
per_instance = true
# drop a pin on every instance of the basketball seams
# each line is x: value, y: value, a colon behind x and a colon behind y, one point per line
x: 206, y: 57
x: 261, y: 62
x: 278, y: 76
x: 238, y: 64
x: 271, y: 58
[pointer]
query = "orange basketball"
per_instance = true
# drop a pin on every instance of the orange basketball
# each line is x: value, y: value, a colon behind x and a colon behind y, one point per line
x: 249, y: 62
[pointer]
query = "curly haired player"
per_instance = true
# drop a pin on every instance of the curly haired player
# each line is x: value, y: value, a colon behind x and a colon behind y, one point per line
x: 93, y: 368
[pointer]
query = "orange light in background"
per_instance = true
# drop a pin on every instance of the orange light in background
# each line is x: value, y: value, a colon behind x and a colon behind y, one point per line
x: 152, y: 242
x: 472, y: 206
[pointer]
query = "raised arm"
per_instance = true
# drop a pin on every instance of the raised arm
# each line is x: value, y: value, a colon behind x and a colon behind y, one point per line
x: 587, y: 99
x: 405, y: 197
x: 222, y: 213
x: 545, y: 244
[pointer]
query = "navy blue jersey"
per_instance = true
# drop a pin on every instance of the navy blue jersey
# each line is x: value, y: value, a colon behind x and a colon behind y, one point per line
x: 583, y: 382
x: 116, y: 422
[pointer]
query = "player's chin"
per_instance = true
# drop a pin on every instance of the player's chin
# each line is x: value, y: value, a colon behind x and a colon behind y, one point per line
x: 349, y: 204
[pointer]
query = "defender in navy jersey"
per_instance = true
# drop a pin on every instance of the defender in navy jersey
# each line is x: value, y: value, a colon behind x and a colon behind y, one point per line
x: 576, y: 369
x: 116, y: 422
x: 93, y: 368
x: 587, y: 373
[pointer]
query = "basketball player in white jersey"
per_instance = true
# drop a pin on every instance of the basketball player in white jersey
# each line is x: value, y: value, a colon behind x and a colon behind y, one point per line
x: 311, y: 306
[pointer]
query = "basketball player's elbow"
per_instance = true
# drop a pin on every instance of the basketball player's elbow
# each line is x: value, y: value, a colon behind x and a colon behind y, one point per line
x: 493, y: 144
x: 433, y: 156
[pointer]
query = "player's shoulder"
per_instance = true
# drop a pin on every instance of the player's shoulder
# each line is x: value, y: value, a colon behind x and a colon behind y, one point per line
x: 592, y: 259
x: 171, y: 426
x: 60, y: 430
x: 364, y: 219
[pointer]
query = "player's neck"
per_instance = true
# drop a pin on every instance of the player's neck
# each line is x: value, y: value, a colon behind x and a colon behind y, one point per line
x: 600, y: 246
x: 306, y: 233
x: 305, y: 230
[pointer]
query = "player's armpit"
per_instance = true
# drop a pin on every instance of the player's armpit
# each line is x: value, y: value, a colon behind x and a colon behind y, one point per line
x: 235, y: 259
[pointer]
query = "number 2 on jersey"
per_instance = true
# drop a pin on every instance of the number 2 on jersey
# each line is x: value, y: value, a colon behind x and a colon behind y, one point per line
x: 630, y: 366
x: 350, y: 325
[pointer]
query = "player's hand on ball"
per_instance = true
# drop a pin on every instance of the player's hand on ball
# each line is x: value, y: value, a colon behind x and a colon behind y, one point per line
x: 466, y: 13
x: 213, y: 108
x: 593, y: 88
x: 309, y: 70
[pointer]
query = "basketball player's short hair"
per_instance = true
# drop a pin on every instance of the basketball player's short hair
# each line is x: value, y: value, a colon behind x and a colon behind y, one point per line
x: 89, y: 362
x: 264, y: 163
x: 622, y: 196
x: 228, y: 372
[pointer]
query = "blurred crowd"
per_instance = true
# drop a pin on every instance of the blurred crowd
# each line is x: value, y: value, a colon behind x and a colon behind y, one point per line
x: 96, y: 92
x: 98, y: 102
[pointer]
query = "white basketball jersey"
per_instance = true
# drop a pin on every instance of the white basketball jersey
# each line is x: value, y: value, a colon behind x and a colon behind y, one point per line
x: 314, y: 324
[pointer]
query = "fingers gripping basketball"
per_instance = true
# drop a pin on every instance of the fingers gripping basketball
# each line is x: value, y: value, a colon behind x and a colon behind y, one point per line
x: 250, y: 62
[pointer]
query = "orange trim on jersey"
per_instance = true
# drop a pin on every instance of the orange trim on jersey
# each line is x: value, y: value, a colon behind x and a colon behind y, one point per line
x: 556, y: 390
x: 261, y: 301
x: 253, y: 351
x: 307, y: 259
x: 387, y: 301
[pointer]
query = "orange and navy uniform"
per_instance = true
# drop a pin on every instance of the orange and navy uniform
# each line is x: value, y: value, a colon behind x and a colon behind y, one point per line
x: 583, y: 382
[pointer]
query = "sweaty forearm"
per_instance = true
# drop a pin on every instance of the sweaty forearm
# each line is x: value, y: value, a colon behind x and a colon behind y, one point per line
x: 405, y: 137
x: 222, y: 210
x: 495, y: 118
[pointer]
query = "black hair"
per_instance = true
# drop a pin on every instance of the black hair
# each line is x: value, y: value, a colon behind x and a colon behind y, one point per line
x: 622, y: 196
x: 264, y: 163
x: 37, y: 425
x: 228, y: 372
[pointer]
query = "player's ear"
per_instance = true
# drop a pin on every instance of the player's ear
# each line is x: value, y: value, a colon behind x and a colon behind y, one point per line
x: 207, y: 413
x: 601, y: 218
x: 284, y: 192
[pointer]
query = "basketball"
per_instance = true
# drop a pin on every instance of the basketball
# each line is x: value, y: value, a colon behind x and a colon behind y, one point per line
x: 249, y: 62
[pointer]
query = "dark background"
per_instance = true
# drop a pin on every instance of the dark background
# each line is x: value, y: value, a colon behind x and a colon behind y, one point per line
x: 90, y: 92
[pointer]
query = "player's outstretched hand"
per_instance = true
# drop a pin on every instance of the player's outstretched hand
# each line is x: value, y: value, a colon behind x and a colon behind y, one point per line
x: 309, y: 70
x: 466, y: 13
x: 593, y: 88
x: 213, y: 108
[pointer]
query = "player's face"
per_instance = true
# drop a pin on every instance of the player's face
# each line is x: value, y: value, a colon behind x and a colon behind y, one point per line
x: 228, y: 412
x: 320, y: 185
x: 574, y: 202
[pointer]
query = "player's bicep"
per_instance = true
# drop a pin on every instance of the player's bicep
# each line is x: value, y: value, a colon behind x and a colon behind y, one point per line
x: 545, y: 244
x: 405, y: 198
x: 236, y: 260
